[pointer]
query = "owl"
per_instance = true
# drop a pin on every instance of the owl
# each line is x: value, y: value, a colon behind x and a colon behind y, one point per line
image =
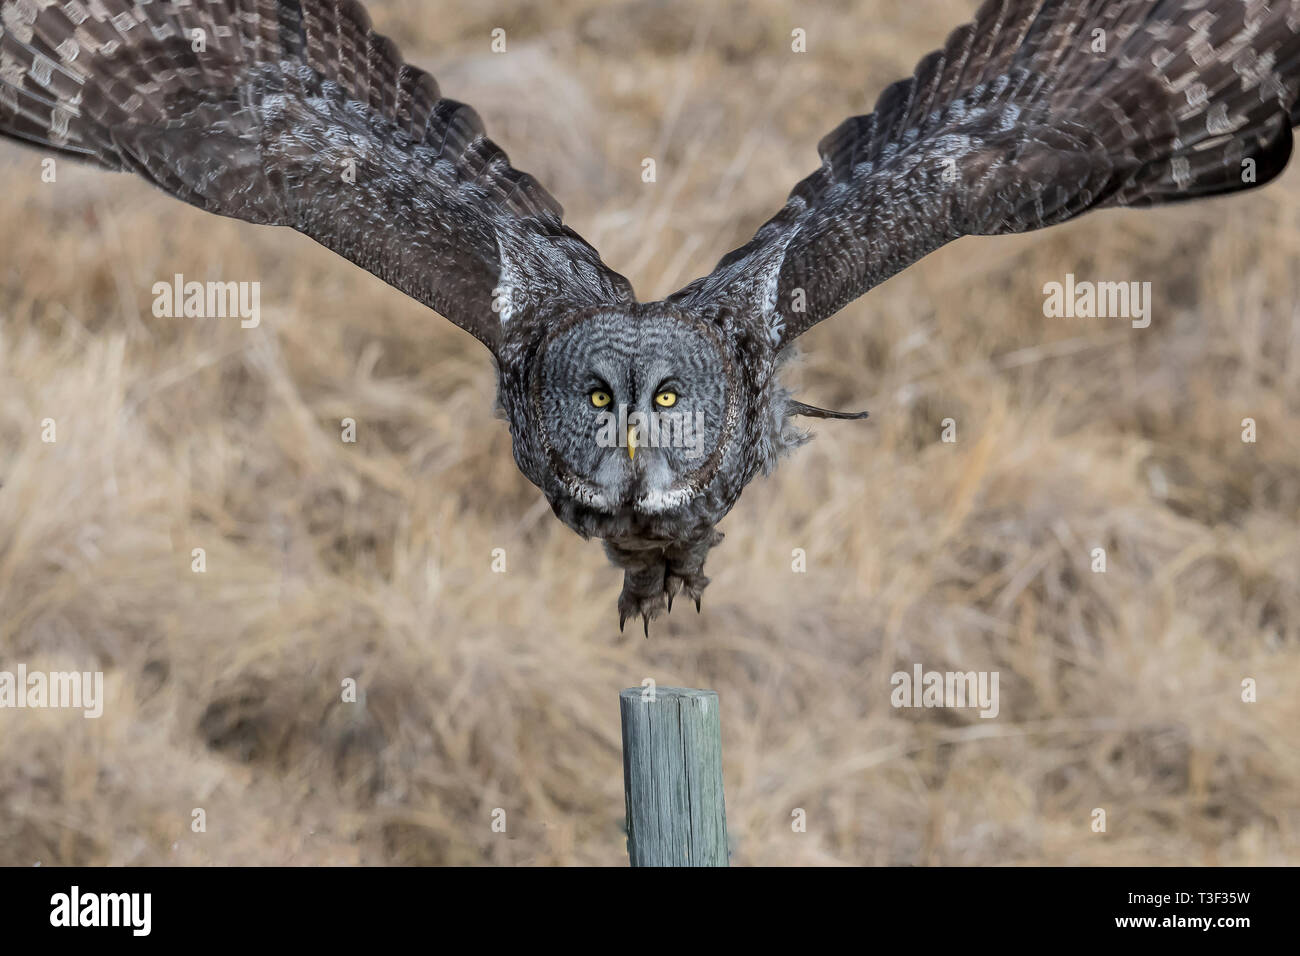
x: 642, y: 422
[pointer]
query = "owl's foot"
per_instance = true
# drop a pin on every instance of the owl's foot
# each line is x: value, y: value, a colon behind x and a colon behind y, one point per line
x: 685, y: 568
x: 679, y: 580
x: 651, y: 591
x: 653, y: 576
x: 643, y: 594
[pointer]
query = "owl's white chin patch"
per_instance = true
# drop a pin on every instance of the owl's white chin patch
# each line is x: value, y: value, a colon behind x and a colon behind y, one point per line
x: 659, y: 501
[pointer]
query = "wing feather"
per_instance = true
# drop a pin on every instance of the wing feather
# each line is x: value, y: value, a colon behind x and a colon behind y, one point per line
x: 1032, y: 114
x: 296, y: 113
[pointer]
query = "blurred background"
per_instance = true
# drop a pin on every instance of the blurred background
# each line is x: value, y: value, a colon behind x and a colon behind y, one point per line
x: 482, y: 690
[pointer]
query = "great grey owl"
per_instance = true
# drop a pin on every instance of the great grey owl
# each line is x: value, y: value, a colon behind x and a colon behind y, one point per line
x: 643, y: 422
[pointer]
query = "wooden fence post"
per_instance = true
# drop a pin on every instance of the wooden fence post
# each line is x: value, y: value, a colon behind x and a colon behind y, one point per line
x: 672, y: 777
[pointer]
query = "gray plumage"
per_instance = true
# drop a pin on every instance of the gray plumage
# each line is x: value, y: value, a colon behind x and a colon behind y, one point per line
x: 294, y: 112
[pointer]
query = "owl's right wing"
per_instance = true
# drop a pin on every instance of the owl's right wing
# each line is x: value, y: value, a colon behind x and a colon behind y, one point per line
x: 296, y: 113
x: 1031, y: 115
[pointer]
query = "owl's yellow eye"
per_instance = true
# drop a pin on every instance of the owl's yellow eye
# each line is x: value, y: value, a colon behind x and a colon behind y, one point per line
x: 600, y: 399
x: 666, y: 399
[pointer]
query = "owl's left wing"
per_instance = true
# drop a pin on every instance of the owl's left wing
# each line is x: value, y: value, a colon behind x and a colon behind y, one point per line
x: 297, y: 113
x: 1034, y: 113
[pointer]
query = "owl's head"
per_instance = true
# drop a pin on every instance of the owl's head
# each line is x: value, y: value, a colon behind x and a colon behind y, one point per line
x: 636, y: 408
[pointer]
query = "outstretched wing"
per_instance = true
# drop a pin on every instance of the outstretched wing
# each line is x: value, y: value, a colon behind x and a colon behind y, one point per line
x: 1035, y: 113
x: 295, y: 113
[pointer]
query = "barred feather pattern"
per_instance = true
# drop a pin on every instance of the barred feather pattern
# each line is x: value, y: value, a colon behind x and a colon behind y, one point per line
x: 1032, y: 114
x: 296, y: 113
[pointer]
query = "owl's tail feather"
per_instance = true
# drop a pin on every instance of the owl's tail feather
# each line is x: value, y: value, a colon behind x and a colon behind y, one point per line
x: 812, y: 411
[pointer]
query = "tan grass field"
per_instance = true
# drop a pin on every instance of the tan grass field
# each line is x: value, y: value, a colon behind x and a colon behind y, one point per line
x: 327, y: 560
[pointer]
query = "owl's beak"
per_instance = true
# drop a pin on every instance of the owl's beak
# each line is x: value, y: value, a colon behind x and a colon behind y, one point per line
x: 631, y: 442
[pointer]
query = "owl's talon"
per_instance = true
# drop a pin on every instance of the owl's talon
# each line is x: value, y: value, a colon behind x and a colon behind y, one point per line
x: 640, y: 598
x: 678, y: 580
x: 672, y: 584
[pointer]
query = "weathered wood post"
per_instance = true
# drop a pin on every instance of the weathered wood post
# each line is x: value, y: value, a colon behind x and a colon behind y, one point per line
x: 672, y: 777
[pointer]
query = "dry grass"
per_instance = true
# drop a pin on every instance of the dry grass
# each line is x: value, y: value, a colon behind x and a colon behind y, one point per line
x: 327, y: 560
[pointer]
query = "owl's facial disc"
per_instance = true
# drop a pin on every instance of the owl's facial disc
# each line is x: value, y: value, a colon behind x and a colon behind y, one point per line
x: 634, y: 408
